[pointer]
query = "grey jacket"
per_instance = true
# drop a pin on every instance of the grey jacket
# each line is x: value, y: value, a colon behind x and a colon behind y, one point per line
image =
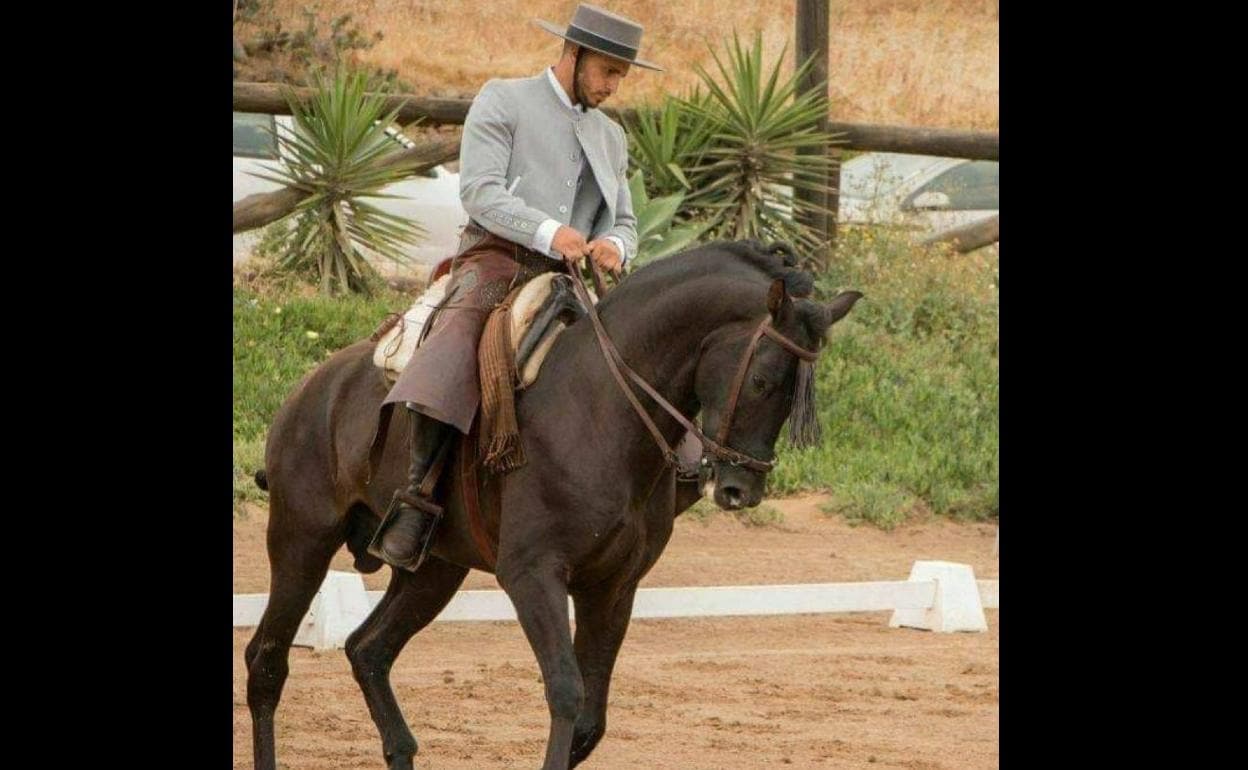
x: 521, y: 164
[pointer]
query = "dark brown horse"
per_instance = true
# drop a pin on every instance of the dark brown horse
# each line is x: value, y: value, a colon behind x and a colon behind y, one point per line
x: 587, y: 516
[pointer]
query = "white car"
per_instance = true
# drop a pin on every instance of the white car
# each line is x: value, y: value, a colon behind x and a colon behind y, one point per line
x: 431, y: 199
x: 918, y: 192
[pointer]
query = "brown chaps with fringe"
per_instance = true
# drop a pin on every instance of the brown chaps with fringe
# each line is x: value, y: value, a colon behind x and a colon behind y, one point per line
x: 442, y: 379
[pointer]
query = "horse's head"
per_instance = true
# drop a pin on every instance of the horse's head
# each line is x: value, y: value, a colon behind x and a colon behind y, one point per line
x: 753, y: 374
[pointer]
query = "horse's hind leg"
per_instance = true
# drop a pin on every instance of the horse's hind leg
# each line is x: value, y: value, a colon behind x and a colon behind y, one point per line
x: 298, y: 563
x: 411, y: 601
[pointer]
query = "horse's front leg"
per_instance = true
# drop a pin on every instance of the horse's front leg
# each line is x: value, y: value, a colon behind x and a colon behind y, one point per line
x: 539, y: 591
x: 601, y: 621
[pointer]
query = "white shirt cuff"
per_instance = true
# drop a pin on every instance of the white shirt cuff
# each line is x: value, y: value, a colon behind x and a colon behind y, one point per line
x: 544, y: 235
x: 619, y: 245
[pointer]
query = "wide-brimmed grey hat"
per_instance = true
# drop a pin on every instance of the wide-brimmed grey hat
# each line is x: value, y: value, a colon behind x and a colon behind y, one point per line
x: 605, y: 32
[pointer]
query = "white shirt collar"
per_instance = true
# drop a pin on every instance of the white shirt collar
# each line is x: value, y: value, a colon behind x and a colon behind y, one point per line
x: 563, y: 95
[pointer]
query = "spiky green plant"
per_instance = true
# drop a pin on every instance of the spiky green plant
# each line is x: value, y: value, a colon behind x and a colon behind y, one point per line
x: 335, y: 154
x: 748, y: 175
x: 735, y: 150
x: 666, y: 140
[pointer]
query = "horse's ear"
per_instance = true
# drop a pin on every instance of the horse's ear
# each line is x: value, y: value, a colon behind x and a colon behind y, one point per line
x: 839, y: 307
x: 778, y: 299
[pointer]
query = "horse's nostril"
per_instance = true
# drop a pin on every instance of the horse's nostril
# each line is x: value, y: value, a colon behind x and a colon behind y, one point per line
x: 733, y: 496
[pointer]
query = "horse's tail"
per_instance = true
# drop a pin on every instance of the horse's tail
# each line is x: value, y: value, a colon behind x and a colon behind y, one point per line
x: 262, y: 480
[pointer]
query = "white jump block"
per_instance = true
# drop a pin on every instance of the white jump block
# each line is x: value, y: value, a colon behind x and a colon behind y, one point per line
x: 939, y: 596
x: 956, y: 606
x: 337, y: 609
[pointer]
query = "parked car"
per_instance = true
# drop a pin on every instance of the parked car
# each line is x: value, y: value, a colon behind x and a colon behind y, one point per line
x: 430, y: 199
x: 919, y: 192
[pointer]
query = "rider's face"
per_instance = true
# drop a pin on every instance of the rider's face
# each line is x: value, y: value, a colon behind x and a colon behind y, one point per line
x: 599, y: 77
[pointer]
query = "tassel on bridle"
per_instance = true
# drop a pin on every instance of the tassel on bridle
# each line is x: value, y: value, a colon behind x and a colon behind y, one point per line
x: 804, y: 428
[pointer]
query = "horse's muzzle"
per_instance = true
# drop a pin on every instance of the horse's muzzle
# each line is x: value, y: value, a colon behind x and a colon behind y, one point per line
x: 735, y: 487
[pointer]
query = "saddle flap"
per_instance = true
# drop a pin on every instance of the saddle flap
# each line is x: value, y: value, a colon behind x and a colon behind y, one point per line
x: 395, y: 347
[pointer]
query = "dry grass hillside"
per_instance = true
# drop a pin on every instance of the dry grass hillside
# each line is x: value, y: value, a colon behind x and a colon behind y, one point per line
x: 912, y: 62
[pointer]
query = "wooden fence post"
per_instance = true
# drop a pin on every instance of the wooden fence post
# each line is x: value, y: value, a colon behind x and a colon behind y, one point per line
x: 812, y: 44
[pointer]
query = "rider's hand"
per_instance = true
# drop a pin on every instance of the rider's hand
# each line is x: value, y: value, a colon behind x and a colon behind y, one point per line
x: 570, y: 244
x: 605, y: 254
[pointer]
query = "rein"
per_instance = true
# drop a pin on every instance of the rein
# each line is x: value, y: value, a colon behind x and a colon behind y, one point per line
x: 615, y: 362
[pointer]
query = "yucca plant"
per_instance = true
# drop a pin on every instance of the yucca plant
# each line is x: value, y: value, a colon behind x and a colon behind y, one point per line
x: 747, y: 177
x: 334, y: 153
x: 666, y: 140
x: 734, y: 150
x: 656, y: 235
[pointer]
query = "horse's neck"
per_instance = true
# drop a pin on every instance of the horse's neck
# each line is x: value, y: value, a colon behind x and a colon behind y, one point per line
x: 661, y: 339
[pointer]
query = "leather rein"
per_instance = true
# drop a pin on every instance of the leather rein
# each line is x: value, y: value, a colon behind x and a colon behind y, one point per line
x: 616, y: 363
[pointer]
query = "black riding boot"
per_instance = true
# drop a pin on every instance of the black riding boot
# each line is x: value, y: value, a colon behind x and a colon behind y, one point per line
x: 403, y: 538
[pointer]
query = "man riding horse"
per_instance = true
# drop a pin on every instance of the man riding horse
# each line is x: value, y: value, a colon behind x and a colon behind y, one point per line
x: 542, y: 177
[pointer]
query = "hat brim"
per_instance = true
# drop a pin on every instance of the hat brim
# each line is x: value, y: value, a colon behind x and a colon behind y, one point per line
x: 552, y: 29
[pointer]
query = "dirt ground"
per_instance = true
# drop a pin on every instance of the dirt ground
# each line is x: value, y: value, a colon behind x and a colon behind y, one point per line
x: 800, y: 691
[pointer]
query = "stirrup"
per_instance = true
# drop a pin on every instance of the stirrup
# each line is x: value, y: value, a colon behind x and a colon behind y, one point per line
x: 403, y: 500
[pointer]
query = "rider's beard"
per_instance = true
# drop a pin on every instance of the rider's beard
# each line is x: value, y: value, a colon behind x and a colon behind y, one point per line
x: 577, y: 92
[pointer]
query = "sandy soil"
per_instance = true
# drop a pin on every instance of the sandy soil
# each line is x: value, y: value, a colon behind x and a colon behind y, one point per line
x: 802, y: 691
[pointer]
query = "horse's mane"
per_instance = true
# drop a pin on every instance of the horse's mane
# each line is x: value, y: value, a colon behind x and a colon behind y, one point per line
x: 746, y: 260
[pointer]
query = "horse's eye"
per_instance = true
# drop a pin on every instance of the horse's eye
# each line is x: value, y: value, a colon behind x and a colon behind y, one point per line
x: 759, y: 384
